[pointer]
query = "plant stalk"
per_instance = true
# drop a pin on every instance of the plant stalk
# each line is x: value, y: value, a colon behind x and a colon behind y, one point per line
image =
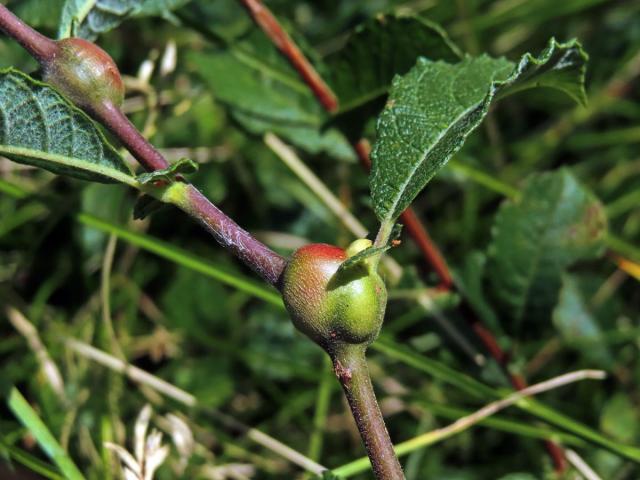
x: 117, y: 122
x: 257, y: 256
x: 39, y: 47
x: 272, y: 28
x: 350, y: 366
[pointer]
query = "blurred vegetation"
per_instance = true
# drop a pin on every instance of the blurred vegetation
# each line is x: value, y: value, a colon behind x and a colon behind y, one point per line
x: 163, y: 296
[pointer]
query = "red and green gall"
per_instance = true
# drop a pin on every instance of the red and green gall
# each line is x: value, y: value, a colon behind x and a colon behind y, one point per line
x: 334, y: 307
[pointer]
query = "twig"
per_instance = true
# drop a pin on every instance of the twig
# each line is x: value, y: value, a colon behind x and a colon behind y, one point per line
x: 272, y: 28
x: 48, y: 366
x: 268, y: 264
x: 140, y: 376
x: 350, y: 367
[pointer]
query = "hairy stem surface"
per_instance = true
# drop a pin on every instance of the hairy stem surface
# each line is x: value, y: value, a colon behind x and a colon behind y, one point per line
x: 350, y: 366
x: 260, y: 258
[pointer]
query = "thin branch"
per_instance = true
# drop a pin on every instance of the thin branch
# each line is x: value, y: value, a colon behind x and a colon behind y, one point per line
x: 38, y: 46
x: 350, y: 367
x: 142, y: 377
x: 263, y: 261
x: 118, y: 124
x: 272, y: 28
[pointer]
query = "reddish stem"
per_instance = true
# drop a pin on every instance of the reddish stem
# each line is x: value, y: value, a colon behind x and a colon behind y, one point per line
x: 350, y: 366
x: 262, y: 260
x: 38, y: 46
x: 118, y: 124
x: 253, y: 253
x: 517, y: 381
x: 271, y: 27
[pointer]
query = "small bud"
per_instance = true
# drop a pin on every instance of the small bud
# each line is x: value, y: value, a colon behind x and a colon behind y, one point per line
x: 84, y: 73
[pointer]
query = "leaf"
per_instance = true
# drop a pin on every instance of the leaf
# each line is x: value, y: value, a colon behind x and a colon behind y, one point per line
x: 39, y: 127
x: 433, y: 109
x: 554, y: 224
x: 90, y: 18
x: 620, y: 418
x: 266, y: 95
x: 577, y: 325
x: 30, y: 419
x: 184, y: 166
x: 380, y: 48
x: 359, y: 258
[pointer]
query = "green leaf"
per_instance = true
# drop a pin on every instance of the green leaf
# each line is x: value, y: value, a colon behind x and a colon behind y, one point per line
x: 33, y: 463
x: 379, y: 49
x: 184, y: 166
x: 90, y: 18
x: 266, y: 95
x: 620, y: 418
x: 30, y: 419
x: 552, y: 225
x: 577, y: 325
x: 39, y: 127
x: 435, y: 107
x: 360, y: 257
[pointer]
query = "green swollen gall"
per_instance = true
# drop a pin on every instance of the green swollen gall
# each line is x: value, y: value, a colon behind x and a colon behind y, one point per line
x: 334, y: 306
x: 84, y: 73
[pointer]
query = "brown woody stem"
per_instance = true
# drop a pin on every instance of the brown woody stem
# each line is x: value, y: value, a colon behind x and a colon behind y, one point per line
x: 257, y: 256
x: 272, y: 28
x: 350, y: 366
x: 118, y: 124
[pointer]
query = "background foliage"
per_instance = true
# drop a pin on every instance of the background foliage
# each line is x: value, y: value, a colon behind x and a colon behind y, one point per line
x: 537, y: 215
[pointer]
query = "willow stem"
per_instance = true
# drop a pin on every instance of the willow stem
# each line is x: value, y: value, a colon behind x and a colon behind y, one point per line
x: 268, y: 264
x: 260, y: 258
x: 350, y: 366
x: 39, y: 47
x: 117, y: 122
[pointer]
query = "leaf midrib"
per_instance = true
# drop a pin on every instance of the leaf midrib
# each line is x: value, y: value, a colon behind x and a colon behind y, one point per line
x: 82, y: 164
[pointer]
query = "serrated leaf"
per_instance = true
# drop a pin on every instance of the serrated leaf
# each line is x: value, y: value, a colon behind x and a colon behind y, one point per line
x: 184, y: 166
x: 380, y: 48
x: 435, y: 107
x: 90, y: 18
x: 39, y: 127
x: 555, y: 223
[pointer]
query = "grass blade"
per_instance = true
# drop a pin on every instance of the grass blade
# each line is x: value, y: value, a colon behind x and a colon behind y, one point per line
x: 30, y: 419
